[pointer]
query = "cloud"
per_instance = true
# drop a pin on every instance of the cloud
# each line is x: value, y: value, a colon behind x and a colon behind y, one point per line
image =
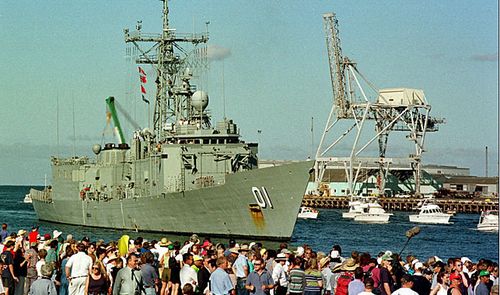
x: 215, y: 52
x: 485, y: 57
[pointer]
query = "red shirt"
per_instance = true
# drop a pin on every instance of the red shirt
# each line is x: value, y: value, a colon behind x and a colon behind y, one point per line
x: 33, y: 236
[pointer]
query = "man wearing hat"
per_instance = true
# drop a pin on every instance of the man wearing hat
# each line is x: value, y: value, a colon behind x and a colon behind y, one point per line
x: 240, y: 268
x: 386, y: 281
x: 347, y: 274
x: 482, y: 287
x: 279, y: 275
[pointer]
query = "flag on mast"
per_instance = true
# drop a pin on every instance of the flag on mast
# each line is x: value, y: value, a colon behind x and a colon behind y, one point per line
x: 143, y: 79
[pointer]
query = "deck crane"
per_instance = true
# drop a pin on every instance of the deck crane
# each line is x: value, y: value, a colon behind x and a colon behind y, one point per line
x: 393, y: 109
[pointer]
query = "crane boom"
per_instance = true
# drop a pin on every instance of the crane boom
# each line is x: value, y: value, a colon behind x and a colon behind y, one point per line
x: 336, y: 63
x: 110, y: 102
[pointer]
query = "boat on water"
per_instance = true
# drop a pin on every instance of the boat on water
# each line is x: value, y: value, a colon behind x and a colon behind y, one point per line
x: 488, y: 221
x: 366, y: 209
x: 183, y: 174
x: 430, y: 212
x: 308, y: 213
x: 27, y: 199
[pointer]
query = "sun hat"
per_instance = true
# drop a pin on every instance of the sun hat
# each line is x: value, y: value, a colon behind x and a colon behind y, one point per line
x: 164, y: 242
x: 335, y: 254
x: 244, y: 248
x: 286, y: 251
x: 234, y: 250
x: 112, y: 257
x: 21, y: 232
x: 418, y: 265
x: 206, y: 244
x: 194, y: 238
x: 197, y: 258
x: 324, y: 261
x: 280, y: 257
x: 56, y: 234
x: 465, y: 259
x: 263, y: 251
x: 299, y: 251
x: 484, y: 273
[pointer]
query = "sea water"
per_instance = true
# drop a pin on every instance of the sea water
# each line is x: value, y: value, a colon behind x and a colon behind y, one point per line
x: 454, y: 240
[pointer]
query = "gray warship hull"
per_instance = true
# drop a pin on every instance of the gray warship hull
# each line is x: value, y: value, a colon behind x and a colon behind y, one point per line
x: 259, y: 203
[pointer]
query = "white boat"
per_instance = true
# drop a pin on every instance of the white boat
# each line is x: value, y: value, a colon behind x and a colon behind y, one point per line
x: 488, y: 221
x: 430, y: 212
x: 27, y: 199
x: 308, y: 213
x: 366, y: 209
x: 354, y: 207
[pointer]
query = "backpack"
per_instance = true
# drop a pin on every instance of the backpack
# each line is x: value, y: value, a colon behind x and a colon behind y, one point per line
x: 343, y: 282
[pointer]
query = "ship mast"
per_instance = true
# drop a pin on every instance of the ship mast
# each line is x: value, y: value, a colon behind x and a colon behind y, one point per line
x: 172, y: 106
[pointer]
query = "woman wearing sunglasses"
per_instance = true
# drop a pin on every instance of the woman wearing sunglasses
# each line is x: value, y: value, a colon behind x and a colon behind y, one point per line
x: 97, y: 281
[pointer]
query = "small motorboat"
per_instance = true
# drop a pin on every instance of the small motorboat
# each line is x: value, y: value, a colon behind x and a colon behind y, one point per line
x: 366, y: 209
x: 488, y: 221
x: 27, y: 199
x: 430, y: 212
x: 308, y: 213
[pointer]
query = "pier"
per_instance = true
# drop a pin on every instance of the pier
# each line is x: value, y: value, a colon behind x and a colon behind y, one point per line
x: 405, y: 204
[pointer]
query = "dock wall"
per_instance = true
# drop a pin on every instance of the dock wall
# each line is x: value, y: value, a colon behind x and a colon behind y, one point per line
x: 405, y: 204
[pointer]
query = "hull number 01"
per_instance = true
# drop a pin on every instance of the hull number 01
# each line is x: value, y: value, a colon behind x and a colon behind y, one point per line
x: 262, y: 197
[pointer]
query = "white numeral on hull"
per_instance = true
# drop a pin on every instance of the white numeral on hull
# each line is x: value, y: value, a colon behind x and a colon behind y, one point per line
x: 262, y: 197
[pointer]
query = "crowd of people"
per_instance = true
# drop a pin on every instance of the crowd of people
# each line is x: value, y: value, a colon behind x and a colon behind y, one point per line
x: 35, y: 263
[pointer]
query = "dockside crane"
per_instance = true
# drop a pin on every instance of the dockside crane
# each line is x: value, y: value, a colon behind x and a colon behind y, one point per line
x: 392, y: 109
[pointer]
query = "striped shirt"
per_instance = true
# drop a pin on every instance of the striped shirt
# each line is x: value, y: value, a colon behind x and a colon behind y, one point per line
x: 312, y: 280
x: 297, y: 281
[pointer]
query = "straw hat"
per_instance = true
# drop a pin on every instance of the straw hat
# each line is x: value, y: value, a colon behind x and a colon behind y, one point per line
x: 244, y: 248
x: 234, y: 250
x: 56, y: 234
x: 280, y: 257
x: 21, y: 232
x: 348, y: 265
x: 164, y: 242
x: 324, y: 261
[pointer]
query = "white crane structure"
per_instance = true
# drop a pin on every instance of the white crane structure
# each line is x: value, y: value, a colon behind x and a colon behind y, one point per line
x: 394, y: 109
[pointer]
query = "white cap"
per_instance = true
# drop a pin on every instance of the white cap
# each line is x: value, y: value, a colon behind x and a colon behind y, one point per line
x: 300, y: 251
x: 334, y: 254
x: 465, y: 259
x: 418, y: 265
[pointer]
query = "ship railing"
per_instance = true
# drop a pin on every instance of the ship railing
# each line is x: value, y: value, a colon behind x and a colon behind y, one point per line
x: 43, y: 196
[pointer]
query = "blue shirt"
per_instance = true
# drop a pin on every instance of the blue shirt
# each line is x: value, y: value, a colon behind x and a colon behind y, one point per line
x: 355, y: 287
x: 220, y: 282
x: 239, y: 264
x: 258, y: 280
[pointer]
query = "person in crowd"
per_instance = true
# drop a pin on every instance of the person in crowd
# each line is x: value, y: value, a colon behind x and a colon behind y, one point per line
x: 326, y: 275
x: 9, y: 278
x: 259, y: 282
x: 368, y: 287
x: 129, y: 279
x: 4, y: 232
x: 386, y: 285
x: 220, y: 282
x: 188, y: 274
x: 209, y: 266
x: 63, y: 289
x: 313, y: 279
x: 455, y: 281
x: 356, y: 286
x: 443, y: 281
x: 77, y: 269
x: 279, y: 275
x: 149, y: 274
x: 44, y: 285
x: 482, y: 286
x: 97, y: 282
x: 241, y: 270
x: 20, y: 269
x: 406, y: 286
x: 421, y: 284
x: 296, y: 277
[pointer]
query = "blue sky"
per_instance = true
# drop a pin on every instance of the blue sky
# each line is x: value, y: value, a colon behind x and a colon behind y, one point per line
x: 276, y: 71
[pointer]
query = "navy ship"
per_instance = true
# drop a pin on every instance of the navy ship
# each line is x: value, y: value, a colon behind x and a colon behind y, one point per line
x: 184, y: 174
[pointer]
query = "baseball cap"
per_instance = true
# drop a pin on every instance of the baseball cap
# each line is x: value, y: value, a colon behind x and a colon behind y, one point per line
x: 484, y: 273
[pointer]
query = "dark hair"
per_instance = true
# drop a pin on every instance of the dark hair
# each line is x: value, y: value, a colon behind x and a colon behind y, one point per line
x: 81, y: 247
x: 298, y: 261
x: 406, y: 278
x: 42, y: 253
x: 186, y: 257
x: 440, y: 276
x: 369, y: 283
x: 138, y: 241
x: 187, y: 289
x: 53, y: 244
x: 212, y: 262
x: 271, y: 253
x: 358, y: 273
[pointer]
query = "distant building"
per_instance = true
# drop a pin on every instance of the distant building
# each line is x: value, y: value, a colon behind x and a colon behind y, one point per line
x: 446, y: 170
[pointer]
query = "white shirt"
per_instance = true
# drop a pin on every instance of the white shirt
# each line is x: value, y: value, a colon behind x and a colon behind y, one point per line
x: 38, y: 267
x: 188, y: 275
x: 80, y: 264
x: 404, y: 291
x: 279, y: 275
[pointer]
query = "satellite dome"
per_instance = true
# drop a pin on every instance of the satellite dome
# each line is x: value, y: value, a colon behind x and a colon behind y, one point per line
x: 199, y: 100
x: 96, y: 148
